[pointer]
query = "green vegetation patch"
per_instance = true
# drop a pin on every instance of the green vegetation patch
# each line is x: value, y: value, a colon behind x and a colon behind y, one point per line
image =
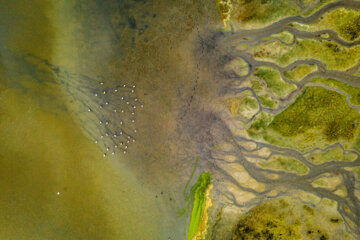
x: 265, y: 99
x: 353, y: 92
x: 300, y: 26
x: 357, y: 170
x: 312, y: 233
x: 335, y: 56
x: 321, y: 183
x: 290, y: 218
x: 308, y: 209
x: 198, y: 194
x: 238, y: 66
x: 311, y: 6
x: 335, y: 220
x: 299, y: 72
x: 257, y: 13
x: 259, y: 124
x: 333, y: 154
x: 244, y: 106
x: 270, y: 220
x: 284, y: 36
x: 224, y: 7
x: 263, y: 11
x: 318, y: 108
x: 356, y: 144
x: 308, y: 3
x: 285, y: 163
x: 346, y: 22
x: 274, y: 81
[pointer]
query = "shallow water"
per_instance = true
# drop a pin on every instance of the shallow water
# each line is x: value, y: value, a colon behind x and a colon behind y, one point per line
x: 54, y: 180
x: 107, y: 106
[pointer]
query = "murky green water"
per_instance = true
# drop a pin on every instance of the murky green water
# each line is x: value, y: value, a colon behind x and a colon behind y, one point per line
x: 54, y: 182
x: 110, y: 108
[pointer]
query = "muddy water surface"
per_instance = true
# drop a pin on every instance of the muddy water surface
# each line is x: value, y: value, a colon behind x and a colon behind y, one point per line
x: 54, y: 180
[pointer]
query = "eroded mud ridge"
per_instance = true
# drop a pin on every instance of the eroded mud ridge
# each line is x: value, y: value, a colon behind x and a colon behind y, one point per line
x: 291, y: 128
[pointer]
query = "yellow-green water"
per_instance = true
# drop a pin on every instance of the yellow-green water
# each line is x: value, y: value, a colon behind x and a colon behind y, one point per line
x: 54, y: 182
x: 43, y: 153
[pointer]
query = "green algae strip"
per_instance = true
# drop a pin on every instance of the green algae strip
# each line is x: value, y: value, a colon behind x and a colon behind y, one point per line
x: 198, y: 194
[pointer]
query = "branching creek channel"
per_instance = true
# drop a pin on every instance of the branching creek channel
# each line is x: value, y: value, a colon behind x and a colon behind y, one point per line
x: 209, y: 125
